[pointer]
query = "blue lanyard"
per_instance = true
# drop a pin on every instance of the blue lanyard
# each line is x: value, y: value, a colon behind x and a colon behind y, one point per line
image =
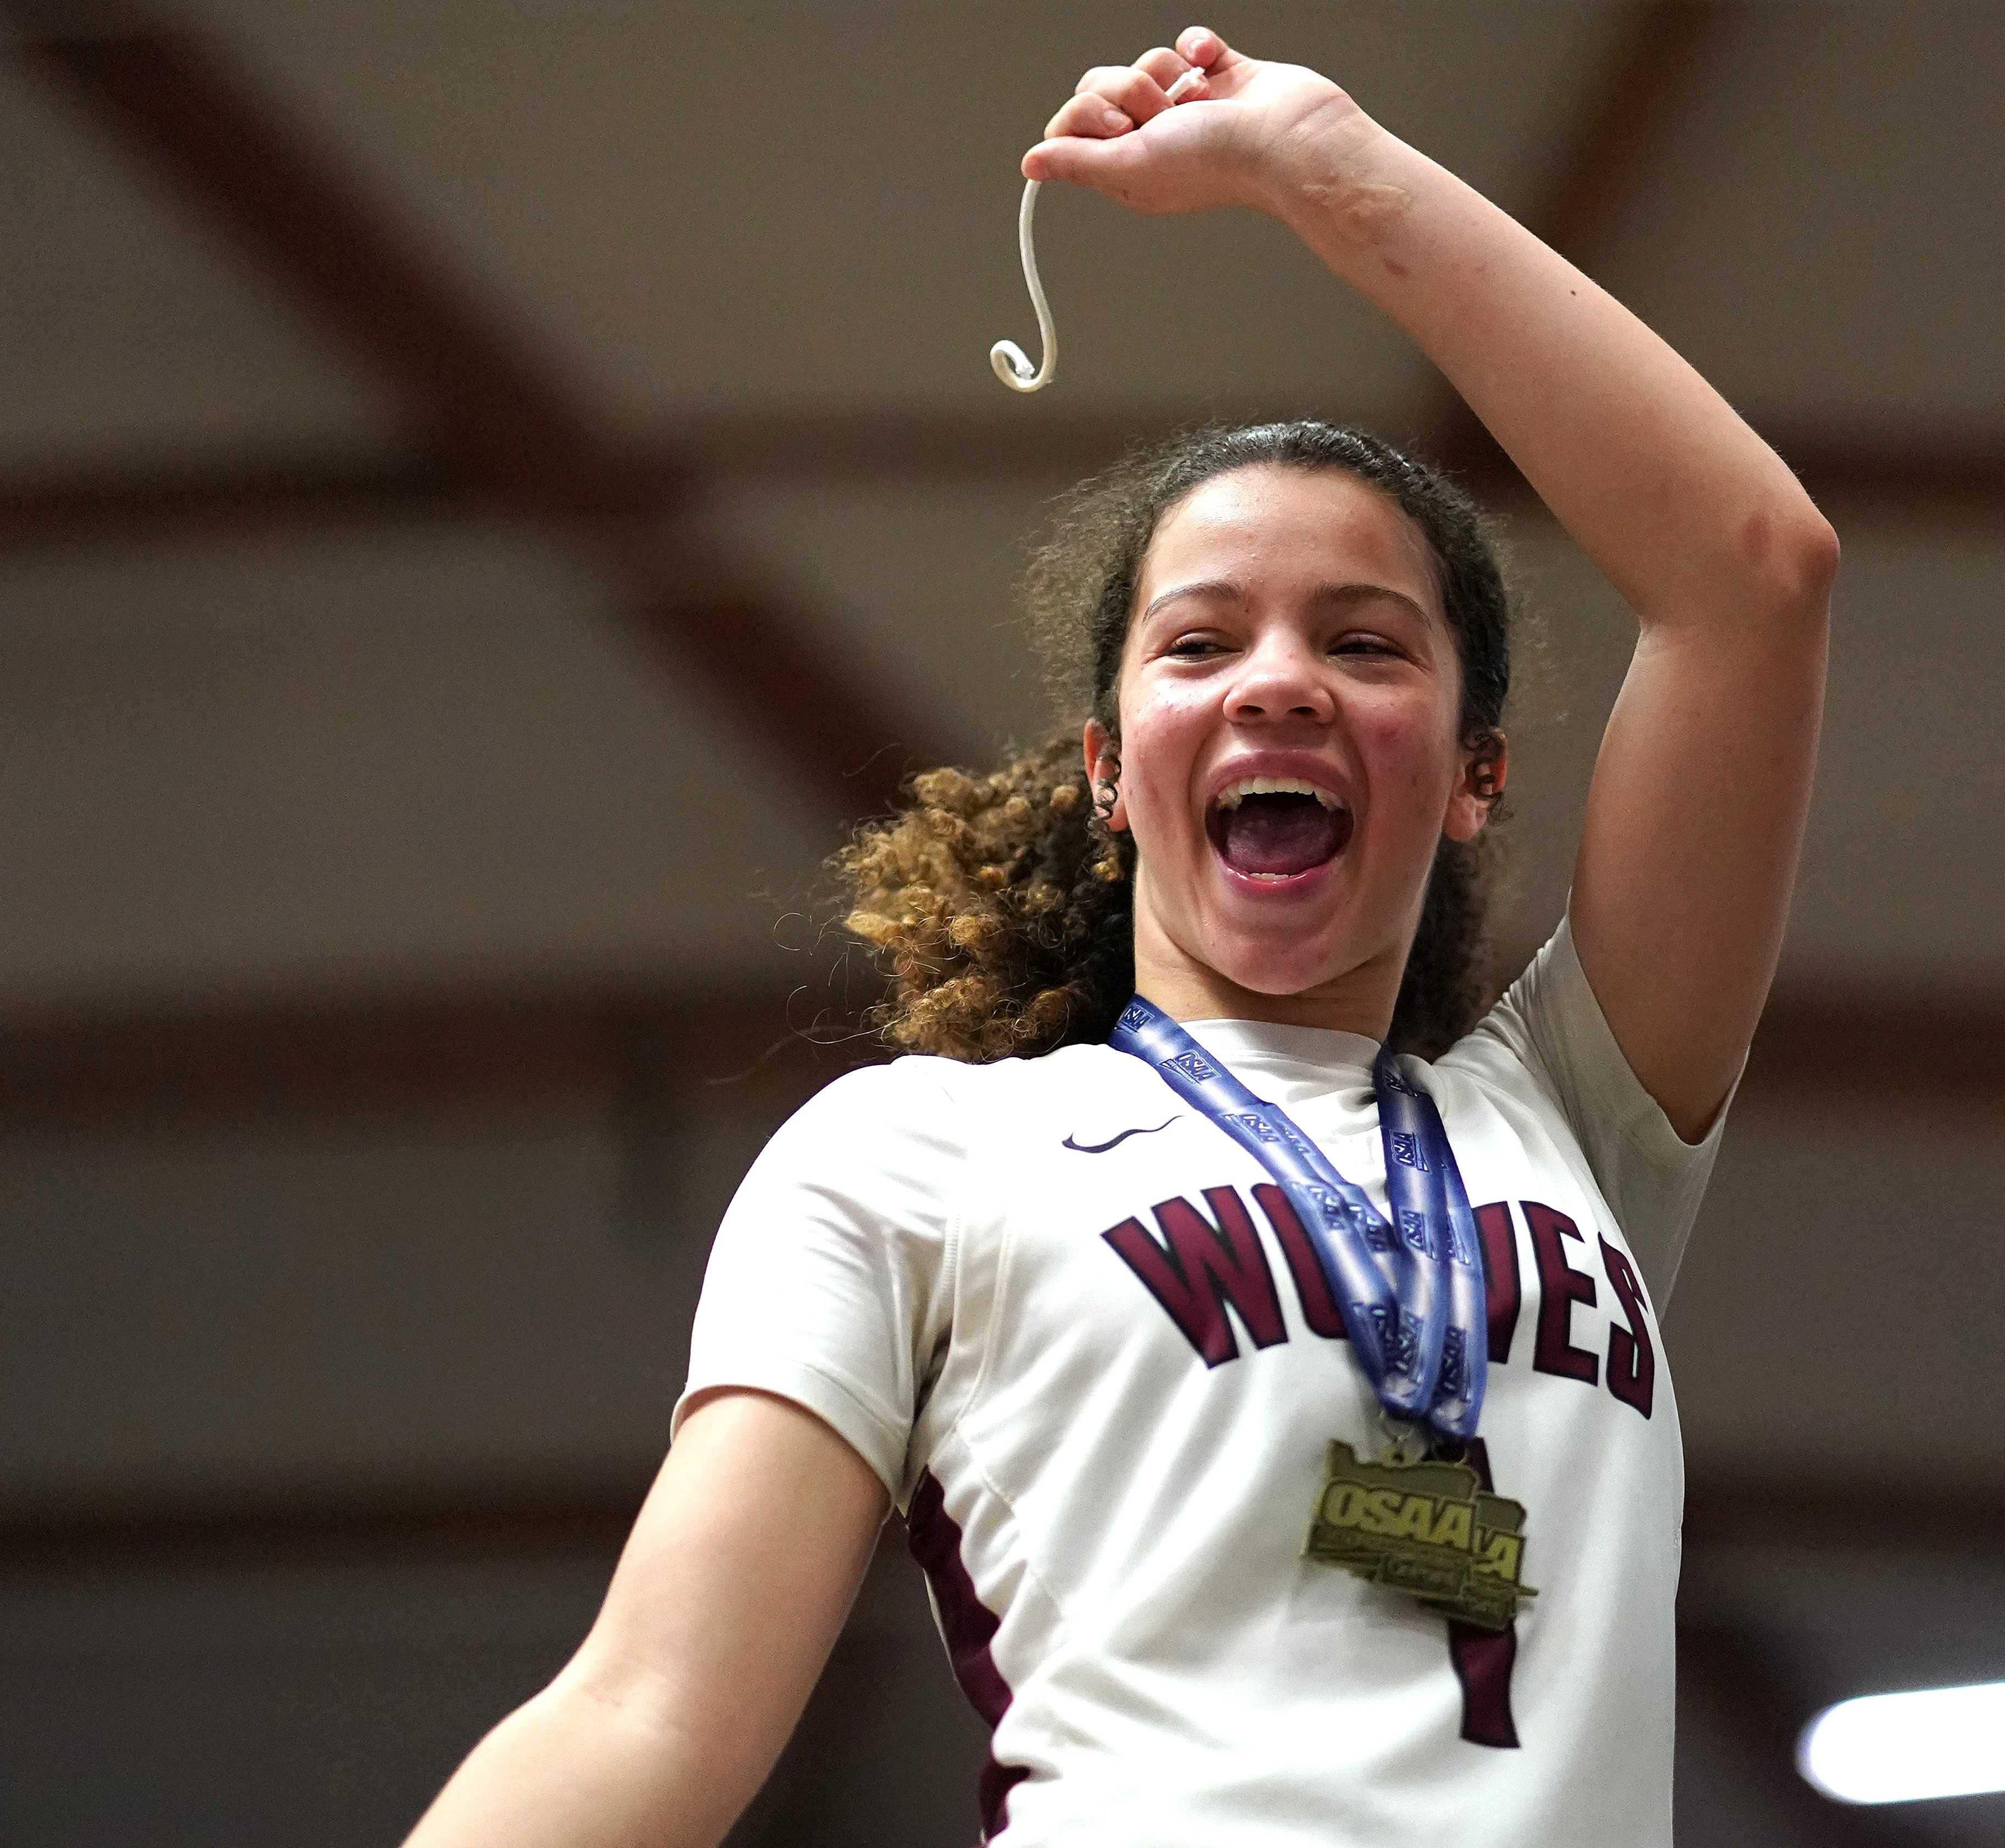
x: 1411, y: 1292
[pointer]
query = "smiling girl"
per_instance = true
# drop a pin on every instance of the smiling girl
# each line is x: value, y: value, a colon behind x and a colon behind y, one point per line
x: 1118, y: 1300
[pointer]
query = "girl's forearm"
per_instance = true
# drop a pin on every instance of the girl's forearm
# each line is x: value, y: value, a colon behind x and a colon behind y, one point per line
x: 1688, y: 513
x: 567, y: 1770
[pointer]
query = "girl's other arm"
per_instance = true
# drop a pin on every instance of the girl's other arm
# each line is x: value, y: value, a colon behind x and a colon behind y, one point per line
x: 732, y: 1588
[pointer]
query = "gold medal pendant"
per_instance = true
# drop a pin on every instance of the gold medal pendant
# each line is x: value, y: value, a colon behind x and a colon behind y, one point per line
x: 1426, y: 1527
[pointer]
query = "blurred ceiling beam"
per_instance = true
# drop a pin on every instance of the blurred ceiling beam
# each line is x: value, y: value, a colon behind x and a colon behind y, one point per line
x: 471, y: 382
x: 1906, y: 1515
x: 1923, y: 471
x: 1626, y: 116
x: 486, y: 404
x: 583, y: 1048
x: 519, y: 1052
x: 1927, y: 474
x: 51, y: 509
x: 1823, y: 1045
x: 1625, y: 119
x: 307, y: 1520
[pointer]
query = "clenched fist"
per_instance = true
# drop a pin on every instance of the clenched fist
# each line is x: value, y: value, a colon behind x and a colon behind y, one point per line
x: 1198, y: 126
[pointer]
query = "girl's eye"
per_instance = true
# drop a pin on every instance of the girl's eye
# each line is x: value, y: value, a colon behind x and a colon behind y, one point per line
x: 1364, y: 644
x: 1193, y: 648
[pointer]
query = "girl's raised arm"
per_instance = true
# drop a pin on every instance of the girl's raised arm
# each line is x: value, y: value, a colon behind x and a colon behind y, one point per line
x: 1695, y: 814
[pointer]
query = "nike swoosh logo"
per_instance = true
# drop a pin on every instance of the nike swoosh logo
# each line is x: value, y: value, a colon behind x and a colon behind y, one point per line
x: 1102, y: 1148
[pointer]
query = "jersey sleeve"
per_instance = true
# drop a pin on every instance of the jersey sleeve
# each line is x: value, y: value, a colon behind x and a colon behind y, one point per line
x: 831, y: 1283
x: 1652, y: 1178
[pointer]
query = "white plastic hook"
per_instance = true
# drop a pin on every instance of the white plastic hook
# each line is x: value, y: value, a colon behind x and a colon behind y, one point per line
x: 1012, y: 365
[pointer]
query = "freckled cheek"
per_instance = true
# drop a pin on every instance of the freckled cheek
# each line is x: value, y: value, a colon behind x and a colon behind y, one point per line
x: 1401, y: 753
x: 1152, y: 818
x: 1160, y: 739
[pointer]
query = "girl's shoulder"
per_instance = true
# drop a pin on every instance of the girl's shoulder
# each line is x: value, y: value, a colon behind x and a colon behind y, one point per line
x: 952, y: 1106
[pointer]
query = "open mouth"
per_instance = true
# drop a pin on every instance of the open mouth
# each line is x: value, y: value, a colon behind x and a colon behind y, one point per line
x: 1277, y: 827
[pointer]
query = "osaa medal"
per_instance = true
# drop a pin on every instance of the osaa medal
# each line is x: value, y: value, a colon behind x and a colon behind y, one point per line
x: 1428, y: 1528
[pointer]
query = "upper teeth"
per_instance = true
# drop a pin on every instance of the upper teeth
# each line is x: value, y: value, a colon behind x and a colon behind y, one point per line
x: 1230, y: 797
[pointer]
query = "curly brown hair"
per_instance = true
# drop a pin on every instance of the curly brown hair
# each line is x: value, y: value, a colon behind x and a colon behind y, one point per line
x: 1000, y: 903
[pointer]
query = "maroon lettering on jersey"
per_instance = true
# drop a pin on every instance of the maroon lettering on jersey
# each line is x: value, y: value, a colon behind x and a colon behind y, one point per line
x: 1500, y: 1275
x: 1632, y: 1359
x: 1560, y: 1286
x: 1199, y: 1267
x: 1319, y: 1309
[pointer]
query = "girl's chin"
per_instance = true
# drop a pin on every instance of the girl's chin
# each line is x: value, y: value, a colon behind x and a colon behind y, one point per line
x: 1273, y: 936
x: 1279, y: 962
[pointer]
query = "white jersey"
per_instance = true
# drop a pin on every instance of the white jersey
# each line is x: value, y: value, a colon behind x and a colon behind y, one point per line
x: 1077, y: 1331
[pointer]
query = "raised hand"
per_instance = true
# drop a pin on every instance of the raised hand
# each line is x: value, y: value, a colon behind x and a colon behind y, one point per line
x: 1197, y: 126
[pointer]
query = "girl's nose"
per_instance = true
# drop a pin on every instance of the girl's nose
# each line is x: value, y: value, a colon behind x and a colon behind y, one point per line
x: 1280, y: 680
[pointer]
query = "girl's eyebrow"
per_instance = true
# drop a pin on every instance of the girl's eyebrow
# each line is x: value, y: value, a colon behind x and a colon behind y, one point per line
x: 1365, y: 592
x: 1219, y: 587
x: 1225, y: 590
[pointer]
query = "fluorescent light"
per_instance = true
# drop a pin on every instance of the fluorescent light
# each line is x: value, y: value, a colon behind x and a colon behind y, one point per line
x: 1895, y: 1747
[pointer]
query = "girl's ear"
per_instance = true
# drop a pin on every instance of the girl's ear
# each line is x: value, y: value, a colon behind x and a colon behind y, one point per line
x: 1484, y: 768
x: 1103, y: 776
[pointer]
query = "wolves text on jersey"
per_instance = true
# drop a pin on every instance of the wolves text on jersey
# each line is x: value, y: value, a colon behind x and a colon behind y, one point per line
x: 1202, y: 1262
